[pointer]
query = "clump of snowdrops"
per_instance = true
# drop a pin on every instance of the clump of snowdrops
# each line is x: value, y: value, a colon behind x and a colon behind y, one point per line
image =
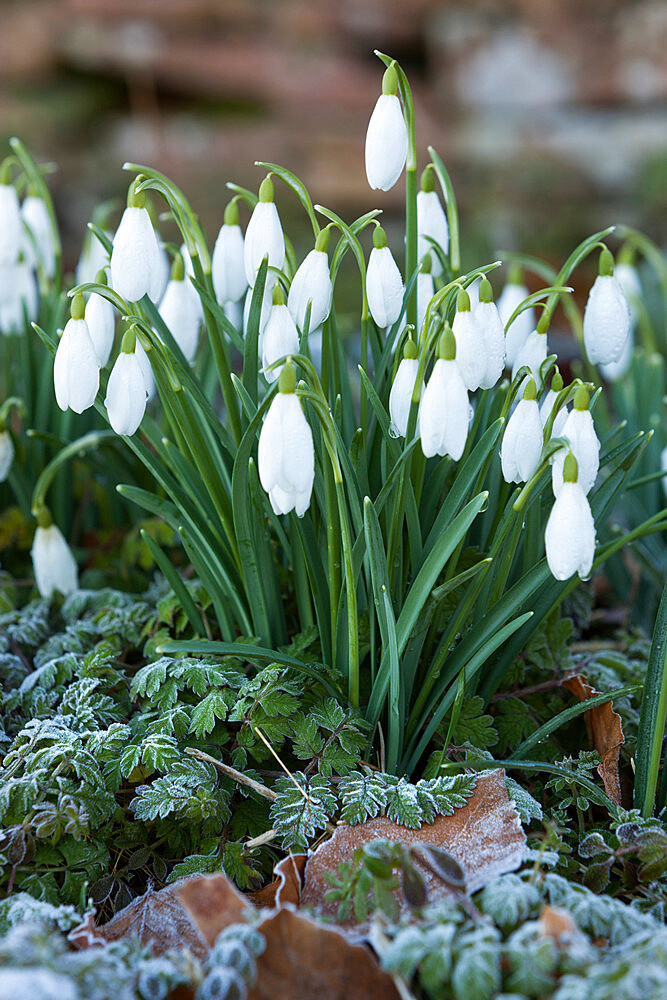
x: 423, y: 510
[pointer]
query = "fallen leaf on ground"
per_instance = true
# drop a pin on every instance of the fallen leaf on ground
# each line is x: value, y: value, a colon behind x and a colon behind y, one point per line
x: 305, y: 961
x: 485, y: 836
x: 287, y: 886
x: 212, y: 903
x: 605, y: 732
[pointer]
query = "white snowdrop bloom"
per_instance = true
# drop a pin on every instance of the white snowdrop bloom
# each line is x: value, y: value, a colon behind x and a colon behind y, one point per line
x: 162, y: 279
x: 548, y: 404
x: 470, y: 355
x: 35, y: 216
x: 425, y: 290
x: 400, y: 396
x: 570, y: 534
x: 444, y: 408
x: 101, y: 319
x: 522, y: 440
x: 511, y: 297
x: 312, y: 283
x: 584, y: 445
x: 280, y: 337
x: 76, y: 369
x: 264, y: 235
x: 11, y: 227
x: 384, y: 284
x: 431, y: 222
x: 387, y: 136
x: 265, y: 312
x: 52, y: 559
x: 616, y: 370
x: 533, y: 352
x: 285, y: 454
x: 489, y: 324
x: 19, y: 297
x: 146, y: 370
x: 6, y: 453
x: 628, y: 278
x: 137, y: 265
x: 126, y: 390
x: 227, y: 264
x: 180, y: 310
x: 93, y: 258
x: 607, y: 316
x: 234, y: 313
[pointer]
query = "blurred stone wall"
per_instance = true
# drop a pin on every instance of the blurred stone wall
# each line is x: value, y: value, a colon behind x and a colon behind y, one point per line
x: 550, y: 114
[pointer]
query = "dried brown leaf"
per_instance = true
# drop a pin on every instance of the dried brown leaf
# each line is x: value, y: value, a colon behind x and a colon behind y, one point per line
x: 287, y: 886
x: 605, y: 733
x: 212, y: 903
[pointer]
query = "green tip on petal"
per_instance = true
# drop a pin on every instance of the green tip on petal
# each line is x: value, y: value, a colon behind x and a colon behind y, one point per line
x: 178, y: 268
x: 530, y: 392
x: 485, y: 291
x: 581, y: 398
x: 557, y: 382
x: 266, y: 189
x: 78, y: 307
x: 606, y: 267
x: 427, y: 182
x: 410, y: 352
x: 570, y: 469
x: 463, y: 301
x: 287, y: 380
x: 136, y: 199
x: 278, y: 295
x: 379, y: 238
x: 515, y: 276
x: 128, y: 344
x: 232, y: 213
x: 44, y: 519
x: 426, y: 264
x: 447, y: 344
x: 322, y: 241
x: 101, y: 277
x: 390, y: 81
x: 543, y: 323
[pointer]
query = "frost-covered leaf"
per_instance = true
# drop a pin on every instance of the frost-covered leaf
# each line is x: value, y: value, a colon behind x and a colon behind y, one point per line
x: 527, y: 807
x: 299, y: 812
x: 362, y: 795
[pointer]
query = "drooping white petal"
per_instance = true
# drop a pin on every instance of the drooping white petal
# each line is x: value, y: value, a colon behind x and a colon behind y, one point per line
x: 41, y: 249
x: 286, y: 455
x: 629, y: 280
x: 76, y: 370
x: 234, y: 313
x: 19, y: 297
x: 584, y: 445
x: 570, y: 534
x: 400, y: 396
x: 227, y: 265
x: 431, y: 225
x: 136, y: 259
x: 311, y: 283
x: 146, y: 370
x: 386, y: 143
x: 469, y: 349
x: 509, y: 299
x: 181, y: 312
x: 616, y: 370
x: 6, y: 454
x: 384, y: 287
x: 11, y: 228
x: 126, y: 394
x: 425, y: 292
x: 444, y: 411
x: 280, y: 338
x: 606, y: 321
x: 488, y: 321
x: 265, y: 311
x: 162, y: 275
x: 522, y: 443
x: 101, y: 320
x: 532, y: 353
x: 263, y: 236
x: 54, y: 565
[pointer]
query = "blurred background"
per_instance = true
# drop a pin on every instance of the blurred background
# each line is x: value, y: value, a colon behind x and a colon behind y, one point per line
x: 550, y: 114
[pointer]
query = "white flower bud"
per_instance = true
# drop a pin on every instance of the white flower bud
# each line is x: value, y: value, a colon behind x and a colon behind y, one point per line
x: 511, y: 297
x: 162, y: 279
x: 387, y: 137
x: 616, y: 370
x: 234, y: 313
x: 6, y: 454
x: 489, y: 324
x: 628, y: 279
x: 76, y: 369
x: 227, y: 265
x: 400, y: 396
x: 522, y: 440
x: 265, y: 311
x: 264, y: 234
x: 280, y: 337
x: 180, y: 309
x: 311, y: 283
x: 137, y: 267
x: 126, y: 390
x: 607, y: 316
x: 101, y: 320
x: 19, y: 297
x: 11, y: 228
x: 146, y: 370
x: 570, y: 533
x: 285, y: 455
x: 384, y: 284
x: 431, y: 222
x: 444, y: 407
x: 584, y: 445
x: 470, y: 355
x: 53, y: 562
x: 39, y: 240
x: 532, y: 353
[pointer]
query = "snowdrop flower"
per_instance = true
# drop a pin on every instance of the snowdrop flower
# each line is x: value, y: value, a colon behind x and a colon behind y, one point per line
x: 40, y: 241
x: 93, y: 258
x: 400, y: 396
x: 285, y: 455
x: 180, y: 310
x: 607, y: 315
x: 548, y: 404
x: 234, y: 313
x: 489, y: 324
x: 146, y: 370
x: 264, y: 235
x: 425, y: 290
x: 431, y: 221
x: 570, y: 534
x: 444, y: 408
x: 511, y: 297
x: 76, y: 369
x: 52, y: 559
x: 522, y: 440
x: 19, y: 296
x: 126, y: 390
x: 629, y: 281
x: 6, y: 453
x: 312, y: 283
x: 469, y: 344
x: 280, y: 337
x: 101, y: 319
x: 384, y: 284
x: 227, y: 267
x: 584, y: 445
x: 533, y: 351
x: 615, y: 370
x: 265, y: 312
x: 11, y: 227
x: 387, y: 136
x: 137, y: 267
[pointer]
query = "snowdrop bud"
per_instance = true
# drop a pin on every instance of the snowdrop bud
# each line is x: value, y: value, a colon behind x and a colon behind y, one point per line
x: 533, y: 351
x: 280, y: 337
x: 522, y: 440
x: 146, y: 370
x: 580, y: 432
x: 19, y: 296
x: 264, y: 234
x: 228, y: 269
x: 444, y: 408
x: 36, y: 218
x: 607, y: 316
x: 400, y: 397
x: 6, y: 453
x: 431, y: 221
x: 384, y: 284
x: 570, y: 534
x: 126, y: 390
x: 548, y: 404
x: 180, y: 310
x: 387, y: 136
x: 52, y: 559
x: 76, y: 369
x: 511, y: 297
x: 490, y: 326
x: 234, y: 313
x: 469, y: 344
x: 136, y: 263
x: 425, y: 290
x: 101, y: 320
x: 285, y: 455
x: 312, y: 283
x: 11, y: 228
